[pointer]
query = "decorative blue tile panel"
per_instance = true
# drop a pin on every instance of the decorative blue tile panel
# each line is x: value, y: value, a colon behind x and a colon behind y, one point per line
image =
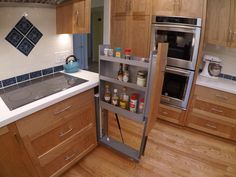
x: 24, y: 36
x: 0, y: 84
x: 35, y: 74
x: 24, y: 25
x: 226, y: 76
x: 14, y: 37
x: 34, y: 35
x: 58, y: 68
x: 22, y: 78
x: 25, y: 46
x: 47, y: 71
x: 234, y: 78
x: 8, y: 82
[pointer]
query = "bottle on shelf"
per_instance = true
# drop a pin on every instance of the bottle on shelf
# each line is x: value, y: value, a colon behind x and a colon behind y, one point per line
x: 118, y: 52
x: 133, y: 102
x: 126, y: 73
x: 115, y: 98
x: 120, y: 73
x: 124, y: 99
x: 128, y: 53
x: 141, y: 106
x: 107, y: 94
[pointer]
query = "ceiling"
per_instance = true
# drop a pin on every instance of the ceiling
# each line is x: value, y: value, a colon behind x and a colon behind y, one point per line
x: 49, y: 2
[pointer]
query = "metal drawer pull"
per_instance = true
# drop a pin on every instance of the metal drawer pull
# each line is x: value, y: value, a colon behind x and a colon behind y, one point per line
x: 222, y: 97
x: 64, y: 133
x: 217, y: 110
x: 211, y: 126
x: 69, y: 157
x: 165, y: 113
x: 63, y: 110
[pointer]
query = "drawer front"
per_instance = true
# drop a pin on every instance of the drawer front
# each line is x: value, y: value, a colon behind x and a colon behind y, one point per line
x: 47, y: 141
x: 215, y: 109
x: 169, y: 114
x: 209, y: 125
x: 51, y: 117
x: 215, y: 95
x: 73, y: 151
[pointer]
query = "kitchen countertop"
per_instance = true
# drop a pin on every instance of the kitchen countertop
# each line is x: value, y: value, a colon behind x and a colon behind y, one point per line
x: 219, y: 84
x: 7, y: 116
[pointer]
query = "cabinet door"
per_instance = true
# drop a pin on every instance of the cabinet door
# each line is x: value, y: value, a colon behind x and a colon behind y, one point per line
x: 81, y: 16
x: 120, y: 7
x: 12, y: 162
x: 140, y: 7
x: 233, y: 24
x: 190, y: 8
x: 218, y: 21
x: 163, y: 7
x: 119, y: 31
x: 139, y: 35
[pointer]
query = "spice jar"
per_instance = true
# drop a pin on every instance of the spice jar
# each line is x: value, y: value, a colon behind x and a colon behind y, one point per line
x: 107, y: 94
x: 133, y: 102
x: 141, y: 106
x: 141, y: 78
x: 126, y: 73
x: 127, y: 53
x: 118, y: 52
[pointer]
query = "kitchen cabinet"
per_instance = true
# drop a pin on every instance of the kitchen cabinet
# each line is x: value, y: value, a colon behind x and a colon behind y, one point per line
x: 58, y: 136
x: 170, y: 114
x: 213, y: 111
x: 221, y: 23
x: 131, y: 32
x: 131, y: 7
x: 73, y: 17
x: 185, y: 8
x: 13, y: 159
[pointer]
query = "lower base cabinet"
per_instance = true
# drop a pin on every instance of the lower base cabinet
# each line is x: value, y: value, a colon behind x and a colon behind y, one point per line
x: 56, y: 137
x: 170, y: 114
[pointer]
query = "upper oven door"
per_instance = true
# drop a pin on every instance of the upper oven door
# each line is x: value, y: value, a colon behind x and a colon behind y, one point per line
x: 183, y: 43
x: 177, y: 86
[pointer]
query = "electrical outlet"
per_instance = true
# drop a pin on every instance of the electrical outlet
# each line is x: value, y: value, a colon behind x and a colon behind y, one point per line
x: 61, y: 56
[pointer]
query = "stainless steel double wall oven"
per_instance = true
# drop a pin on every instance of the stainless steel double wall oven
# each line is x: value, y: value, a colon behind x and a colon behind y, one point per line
x: 183, y: 36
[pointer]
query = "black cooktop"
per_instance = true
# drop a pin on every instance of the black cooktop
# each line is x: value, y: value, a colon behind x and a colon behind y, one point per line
x: 27, y: 92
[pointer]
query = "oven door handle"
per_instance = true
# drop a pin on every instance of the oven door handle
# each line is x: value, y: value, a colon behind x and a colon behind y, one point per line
x: 178, y: 71
x: 175, y: 26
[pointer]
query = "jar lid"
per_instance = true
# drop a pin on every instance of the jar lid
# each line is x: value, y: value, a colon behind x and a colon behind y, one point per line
x: 127, y: 50
x: 142, y: 73
x: 134, y: 96
x: 142, y: 100
x: 118, y: 49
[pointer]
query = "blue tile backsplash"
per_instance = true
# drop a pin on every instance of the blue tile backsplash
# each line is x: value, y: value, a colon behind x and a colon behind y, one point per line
x: 24, y: 36
x: 29, y: 76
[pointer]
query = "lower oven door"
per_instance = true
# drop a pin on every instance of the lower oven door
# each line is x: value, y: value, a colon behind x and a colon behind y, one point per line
x: 176, y: 87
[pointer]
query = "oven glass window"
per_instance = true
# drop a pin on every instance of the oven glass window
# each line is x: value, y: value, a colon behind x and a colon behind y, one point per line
x: 180, y: 43
x: 175, y: 85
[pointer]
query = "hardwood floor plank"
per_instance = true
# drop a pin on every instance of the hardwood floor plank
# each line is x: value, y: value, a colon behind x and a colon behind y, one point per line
x: 170, y: 152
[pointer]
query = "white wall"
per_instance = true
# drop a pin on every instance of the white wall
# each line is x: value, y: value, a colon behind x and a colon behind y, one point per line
x: 48, y: 52
x: 107, y: 19
x: 228, y: 56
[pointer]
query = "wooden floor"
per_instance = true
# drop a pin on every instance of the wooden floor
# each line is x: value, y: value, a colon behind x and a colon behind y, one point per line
x: 170, y: 152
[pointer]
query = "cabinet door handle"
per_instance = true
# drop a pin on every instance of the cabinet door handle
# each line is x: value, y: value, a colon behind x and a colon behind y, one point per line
x: 77, y: 17
x: 70, y: 157
x: 217, y: 110
x: 211, y: 126
x: 165, y: 113
x: 65, y: 133
x: 222, y: 97
x: 130, y: 5
x: 63, y: 110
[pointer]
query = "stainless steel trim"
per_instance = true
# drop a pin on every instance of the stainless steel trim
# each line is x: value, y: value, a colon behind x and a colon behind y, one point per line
x: 178, y: 71
x: 199, y: 21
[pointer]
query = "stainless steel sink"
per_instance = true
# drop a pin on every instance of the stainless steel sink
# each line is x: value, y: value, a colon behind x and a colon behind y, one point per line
x: 27, y: 92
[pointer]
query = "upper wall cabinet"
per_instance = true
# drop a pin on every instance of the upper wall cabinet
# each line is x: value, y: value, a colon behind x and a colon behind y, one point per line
x: 221, y: 23
x: 131, y: 7
x: 187, y: 8
x: 73, y: 17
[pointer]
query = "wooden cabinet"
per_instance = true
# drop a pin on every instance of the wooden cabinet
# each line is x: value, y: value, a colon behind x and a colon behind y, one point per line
x: 170, y: 114
x: 187, y: 8
x: 221, y: 23
x: 131, y: 32
x: 73, y: 17
x: 13, y: 159
x: 131, y: 7
x: 58, y: 136
x: 214, y: 112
